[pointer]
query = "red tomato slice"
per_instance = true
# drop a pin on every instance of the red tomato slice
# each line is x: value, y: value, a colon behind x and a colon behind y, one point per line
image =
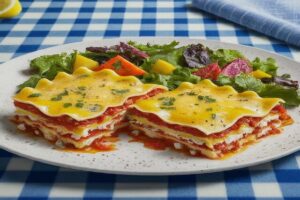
x: 211, y: 71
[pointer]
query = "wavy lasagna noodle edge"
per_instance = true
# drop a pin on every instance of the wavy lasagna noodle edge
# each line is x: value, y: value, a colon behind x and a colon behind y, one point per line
x: 34, y: 113
x: 50, y: 97
x: 243, y: 129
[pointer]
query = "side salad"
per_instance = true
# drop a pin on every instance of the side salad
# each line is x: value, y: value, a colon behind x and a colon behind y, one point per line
x: 169, y: 65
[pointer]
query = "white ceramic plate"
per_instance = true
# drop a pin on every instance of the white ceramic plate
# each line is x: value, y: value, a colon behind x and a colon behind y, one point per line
x: 133, y: 158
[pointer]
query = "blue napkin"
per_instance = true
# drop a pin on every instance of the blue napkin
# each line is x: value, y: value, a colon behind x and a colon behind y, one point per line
x: 277, y: 18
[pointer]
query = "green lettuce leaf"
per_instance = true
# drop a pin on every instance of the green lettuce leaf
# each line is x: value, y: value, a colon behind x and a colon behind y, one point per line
x: 289, y: 95
x: 269, y: 65
x: 31, y: 82
x: 62, y: 62
x: 181, y: 75
x: 173, y: 80
x: 244, y: 82
x: 224, y: 80
x: 241, y: 82
x: 156, y: 79
x: 225, y: 56
x: 247, y: 82
x: 48, y: 66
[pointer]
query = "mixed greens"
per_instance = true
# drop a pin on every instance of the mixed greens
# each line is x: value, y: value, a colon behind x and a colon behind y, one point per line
x: 170, y: 65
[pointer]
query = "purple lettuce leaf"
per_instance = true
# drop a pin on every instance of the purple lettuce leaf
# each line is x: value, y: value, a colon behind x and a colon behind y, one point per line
x: 196, y: 56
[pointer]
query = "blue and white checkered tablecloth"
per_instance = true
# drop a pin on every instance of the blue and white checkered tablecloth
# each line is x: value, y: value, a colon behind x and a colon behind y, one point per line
x: 46, y: 23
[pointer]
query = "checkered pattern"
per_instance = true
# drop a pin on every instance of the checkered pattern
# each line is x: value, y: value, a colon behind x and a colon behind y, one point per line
x: 46, y: 23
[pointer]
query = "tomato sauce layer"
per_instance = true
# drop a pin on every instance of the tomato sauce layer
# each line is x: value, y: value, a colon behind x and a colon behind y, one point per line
x: 251, y: 121
x: 99, y: 144
x: 91, y: 133
x: 103, y: 144
x: 221, y: 148
x: 71, y: 123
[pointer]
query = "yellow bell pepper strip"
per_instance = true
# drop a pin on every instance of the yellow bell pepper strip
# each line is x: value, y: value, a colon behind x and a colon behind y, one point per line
x: 82, y: 61
x: 163, y: 67
x: 259, y: 74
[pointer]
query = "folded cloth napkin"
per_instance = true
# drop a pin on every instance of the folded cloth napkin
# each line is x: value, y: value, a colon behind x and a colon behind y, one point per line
x: 277, y: 18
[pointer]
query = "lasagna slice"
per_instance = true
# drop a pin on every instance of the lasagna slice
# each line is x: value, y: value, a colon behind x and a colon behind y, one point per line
x: 208, y: 120
x: 80, y: 108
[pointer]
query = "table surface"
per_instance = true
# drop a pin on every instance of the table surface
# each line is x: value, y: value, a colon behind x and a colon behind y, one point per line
x: 46, y: 23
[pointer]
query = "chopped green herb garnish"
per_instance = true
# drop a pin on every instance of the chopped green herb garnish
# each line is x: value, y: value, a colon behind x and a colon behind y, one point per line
x: 117, y: 65
x: 79, y: 104
x: 80, y: 91
x: 167, y: 108
x: 207, y: 99
x: 213, y: 116
x: 65, y: 93
x: 120, y: 92
x: 191, y: 93
x: 66, y: 105
x: 83, y: 76
x: 76, y: 92
x: 81, y: 87
x: 168, y: 101
x: 59, y: 96
x: 34, y: 95
x: 200, y: 97
x: 209, y: 109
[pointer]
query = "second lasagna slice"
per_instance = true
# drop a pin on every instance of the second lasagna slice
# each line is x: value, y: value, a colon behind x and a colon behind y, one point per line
x: 77, y: 109
x: 208, y: 120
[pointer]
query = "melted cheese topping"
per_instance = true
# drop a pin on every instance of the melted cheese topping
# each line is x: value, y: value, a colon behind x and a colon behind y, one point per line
x: 83, y: 95
x: 205, y: 106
